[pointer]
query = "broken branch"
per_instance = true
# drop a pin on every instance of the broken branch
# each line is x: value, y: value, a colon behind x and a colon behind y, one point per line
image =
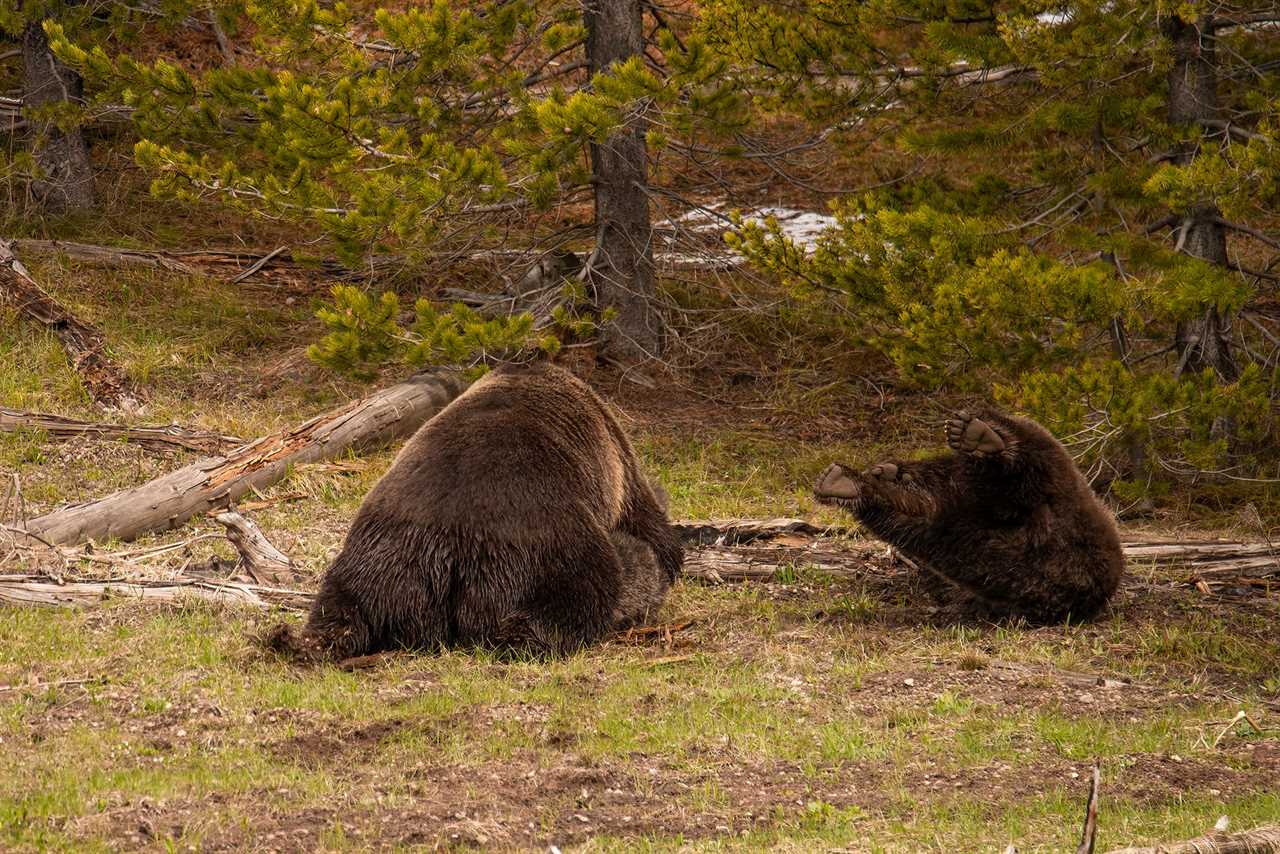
x: 83, y: 343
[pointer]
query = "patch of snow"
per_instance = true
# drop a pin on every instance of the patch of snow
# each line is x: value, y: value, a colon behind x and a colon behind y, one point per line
x: 801, y: 226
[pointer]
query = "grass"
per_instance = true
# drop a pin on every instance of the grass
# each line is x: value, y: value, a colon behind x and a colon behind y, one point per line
x: 805, y: 713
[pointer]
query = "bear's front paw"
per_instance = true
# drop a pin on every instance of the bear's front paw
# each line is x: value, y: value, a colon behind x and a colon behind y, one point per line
x: 835, y: 483
x: 883, y: 473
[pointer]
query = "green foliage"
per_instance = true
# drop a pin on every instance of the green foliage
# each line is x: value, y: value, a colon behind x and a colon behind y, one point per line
x: 956, y: 303
x: 366, y: 333
x: 1017, y: 254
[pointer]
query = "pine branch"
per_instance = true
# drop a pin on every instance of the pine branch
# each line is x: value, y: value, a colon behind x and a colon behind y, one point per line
x: 1252, y: 232
x: 1233, y: 130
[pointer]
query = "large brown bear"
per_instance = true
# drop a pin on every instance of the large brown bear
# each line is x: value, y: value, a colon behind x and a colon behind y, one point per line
x: 1007, y: 519
x: 518, y: 518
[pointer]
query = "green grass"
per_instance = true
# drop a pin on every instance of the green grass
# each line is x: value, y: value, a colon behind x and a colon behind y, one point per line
x: 807, y: 713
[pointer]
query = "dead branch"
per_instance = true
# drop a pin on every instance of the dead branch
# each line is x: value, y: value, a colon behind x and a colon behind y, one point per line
x: 1089, y: 833
x: 83, y: 343
x: 259, y: 264
x: 1261, y: 840
x: 214, y: 483
x: 259, y: 559
x: 160, y: 436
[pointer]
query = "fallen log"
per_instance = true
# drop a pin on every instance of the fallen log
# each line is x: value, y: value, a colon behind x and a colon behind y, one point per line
x: 83, y: 343
x: 1260, y: 840
x: 42, y: 591
x: 738, y: 532
x: 213, y: 483
x: 170, y: 435
x: 110, y: 256
x: 1204, y: 557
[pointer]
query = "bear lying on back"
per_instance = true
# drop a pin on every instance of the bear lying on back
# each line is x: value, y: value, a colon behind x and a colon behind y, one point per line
x: 1007, y: 519
x: 518, y: 518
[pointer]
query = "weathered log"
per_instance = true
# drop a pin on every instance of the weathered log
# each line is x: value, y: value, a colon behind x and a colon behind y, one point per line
x: 259, y: 558
x: 1206, y: 557
x: 213, y: 483
x: 41, y: 591
x: 111, y: 256
x: 737, y: 532
x: 1260, y: 840
x: 84, y: 344
x: 169, y: 435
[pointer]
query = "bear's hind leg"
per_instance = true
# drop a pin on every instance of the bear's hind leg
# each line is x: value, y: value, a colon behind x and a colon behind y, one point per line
x: 968, y: 434
x: 572, y: 603
x: 644, y: 585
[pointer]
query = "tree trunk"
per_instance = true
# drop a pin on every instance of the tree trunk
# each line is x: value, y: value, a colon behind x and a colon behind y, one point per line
x: 104, y: 379
x: 67, y: 180
x: 214, y: 483
x: 1204, y: 342
x: 622, y: 272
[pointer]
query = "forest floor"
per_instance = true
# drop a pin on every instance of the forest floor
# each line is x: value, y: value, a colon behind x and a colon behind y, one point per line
x: 808, y: 712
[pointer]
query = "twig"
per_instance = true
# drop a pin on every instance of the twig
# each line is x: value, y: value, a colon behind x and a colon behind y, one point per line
x: 1089, y: 833
x: 258, y: 265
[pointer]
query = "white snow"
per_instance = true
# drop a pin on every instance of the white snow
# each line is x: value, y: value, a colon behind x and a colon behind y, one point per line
x: 803, y: 227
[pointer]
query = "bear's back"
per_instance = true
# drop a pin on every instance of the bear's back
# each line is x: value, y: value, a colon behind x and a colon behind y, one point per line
x: 523, y: 453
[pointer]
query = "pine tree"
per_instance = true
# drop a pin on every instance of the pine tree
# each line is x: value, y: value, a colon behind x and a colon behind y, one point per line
x: 429, y: 130
x: 1090, y: 227
x: 52, y: 97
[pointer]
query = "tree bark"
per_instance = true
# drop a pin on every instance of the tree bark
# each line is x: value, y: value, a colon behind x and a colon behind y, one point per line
x: 1204, y: 342
x: 66, y: 183
x: 214, y: 483
x: 622, y: 272
x: 104, y: 379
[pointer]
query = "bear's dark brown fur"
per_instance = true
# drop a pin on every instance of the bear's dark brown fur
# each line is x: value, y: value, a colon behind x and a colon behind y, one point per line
x: 1007, y: 518
x: 518, y: 518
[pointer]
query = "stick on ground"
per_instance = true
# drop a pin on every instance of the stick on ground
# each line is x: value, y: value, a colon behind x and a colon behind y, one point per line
x: 1089, y: 833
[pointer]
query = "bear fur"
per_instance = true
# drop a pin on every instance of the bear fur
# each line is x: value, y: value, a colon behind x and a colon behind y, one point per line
x: 1006, y: 520
x: 518, y: 518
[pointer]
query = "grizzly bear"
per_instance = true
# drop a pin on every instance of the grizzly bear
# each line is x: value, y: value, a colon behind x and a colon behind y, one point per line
x: 518, y: 518
x: 1007, y: 520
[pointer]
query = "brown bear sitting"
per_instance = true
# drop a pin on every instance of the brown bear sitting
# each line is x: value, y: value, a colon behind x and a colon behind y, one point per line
x: 1008, y: 519
x: 518, y: 518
